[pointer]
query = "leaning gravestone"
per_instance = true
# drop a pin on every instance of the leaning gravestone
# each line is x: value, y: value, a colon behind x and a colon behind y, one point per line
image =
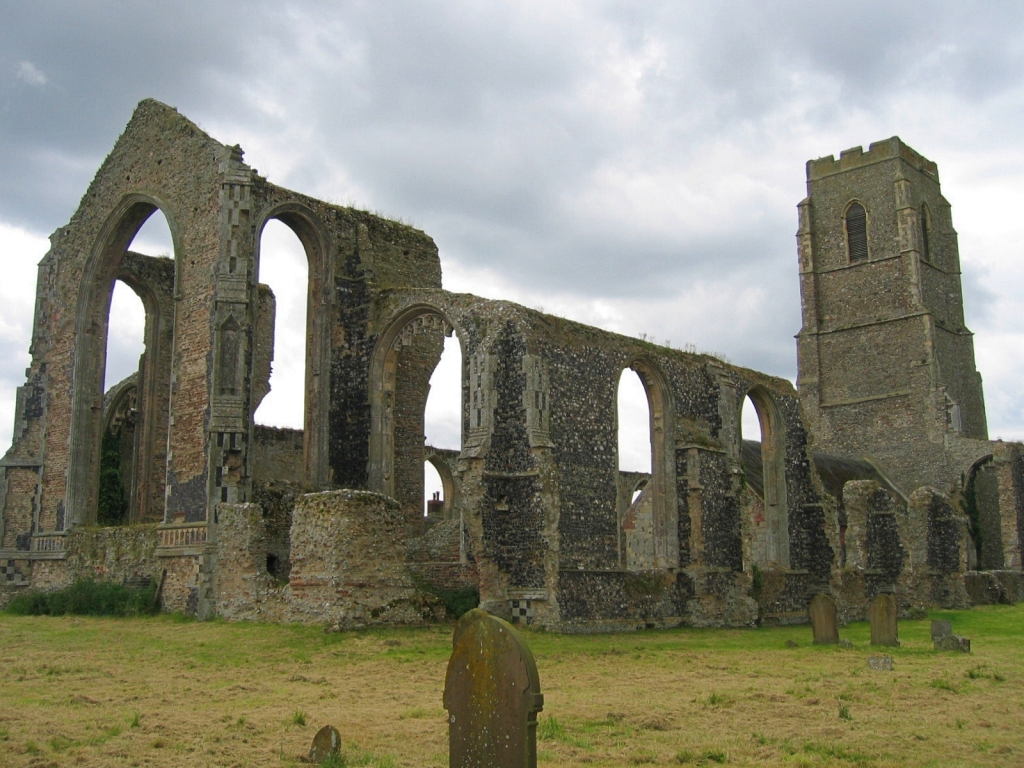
x: 824, y: 620
x: 326, y: 743
x: 492, y: 694
x: 882, y: 616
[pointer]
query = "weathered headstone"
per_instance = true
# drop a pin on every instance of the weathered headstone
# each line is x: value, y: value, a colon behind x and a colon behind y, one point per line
x: 492, y: 694
x: 824, y: 620
x: 953, y: 643
x: 882, y: 616
x: 326, y: 743
x: 941, y: 629
x: 880, y: 663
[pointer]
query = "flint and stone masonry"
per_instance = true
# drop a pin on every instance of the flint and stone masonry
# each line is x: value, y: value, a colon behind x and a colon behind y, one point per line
x: 874, y: 476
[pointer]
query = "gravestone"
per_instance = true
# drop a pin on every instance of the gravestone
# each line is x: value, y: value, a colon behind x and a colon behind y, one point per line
x: 492, y: 694
x: 882, y: 615
x: 880, y: 663
x: 941, y: 629
x: 326, y: 743
x: 824, y: 620
x: 953, y: 643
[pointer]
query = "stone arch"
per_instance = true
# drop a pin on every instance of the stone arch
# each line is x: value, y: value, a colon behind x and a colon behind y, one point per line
x: 103, y: 266
x: 773, y: 476
x: 660, y: 487
x: 316, y: 241
x: 981, y: 505
x: 400, y: 371
x: 450, y: 487
x: 118, y: 461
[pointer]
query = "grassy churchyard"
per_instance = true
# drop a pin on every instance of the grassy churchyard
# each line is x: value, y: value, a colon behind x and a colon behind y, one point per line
x: 165, y: 691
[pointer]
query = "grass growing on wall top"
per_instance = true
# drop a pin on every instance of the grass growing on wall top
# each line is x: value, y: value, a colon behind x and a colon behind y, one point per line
x: 163, y: 691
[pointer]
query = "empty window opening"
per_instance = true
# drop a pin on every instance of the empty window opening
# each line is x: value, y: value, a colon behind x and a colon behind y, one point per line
x: 442, y: 417
x: 282, y: 329
x: 125, y: 335
x: 125, y: 347
x: 857, y: 232
x: 154, y: 237
x: 981, y: 502
x: 634, y: 423
x: 763, y: 461
x: 433, y: 487
x: 442, y: 422
x: 926, y: 226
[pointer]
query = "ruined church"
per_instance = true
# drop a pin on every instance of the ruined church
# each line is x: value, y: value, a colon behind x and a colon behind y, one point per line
x: 874, y: 475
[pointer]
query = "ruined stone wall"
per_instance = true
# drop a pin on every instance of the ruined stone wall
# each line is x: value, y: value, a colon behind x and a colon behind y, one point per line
x: 276, y: 455
x: 348, y: 552
x: 263, y: 344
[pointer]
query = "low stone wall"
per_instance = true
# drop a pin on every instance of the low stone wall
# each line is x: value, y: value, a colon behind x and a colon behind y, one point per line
x: 993, y: 587
x: 611, y: 601
x: 347, y: 564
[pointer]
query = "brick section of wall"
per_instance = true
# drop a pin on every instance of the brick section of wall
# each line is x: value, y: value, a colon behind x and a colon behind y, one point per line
x: 348, y: 569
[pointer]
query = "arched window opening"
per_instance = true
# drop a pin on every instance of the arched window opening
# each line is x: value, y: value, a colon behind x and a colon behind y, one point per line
x: 763, y: 462
x: 634, y: 422
x: 433, y: 487
x: 646, y: 505
x: 857, y: 232
x: 442, y: 423
x: 981, y: 502
x: 128, y: 476
x: 125, y: 335
x: 404, y: 362
x: 117, y: 334
x: 279, y: 385
x: 926, y: 227
x: 154, y: 237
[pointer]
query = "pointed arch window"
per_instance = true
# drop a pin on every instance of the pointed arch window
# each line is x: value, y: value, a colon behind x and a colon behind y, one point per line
x: 857, y: 232
x: 926, y: 230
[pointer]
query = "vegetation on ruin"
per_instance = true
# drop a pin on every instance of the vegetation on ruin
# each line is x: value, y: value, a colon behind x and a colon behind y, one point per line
x: 112, y: 508
x: 87, y: 598
x: 166, y: 691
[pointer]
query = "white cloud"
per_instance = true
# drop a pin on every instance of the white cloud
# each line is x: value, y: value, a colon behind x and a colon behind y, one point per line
x: 29, y: 73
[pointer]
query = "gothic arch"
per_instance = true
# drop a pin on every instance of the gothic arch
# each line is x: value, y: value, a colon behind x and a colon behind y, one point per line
x: 386, y: 399
x: 773, y: 473
x: 447, y: 481
x: 661, y: 486
x: 317, y: 244
x: 102, y: 268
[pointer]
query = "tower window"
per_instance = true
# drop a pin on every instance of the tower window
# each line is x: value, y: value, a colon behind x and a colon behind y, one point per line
x: 857, y: 232
x: 926, y: 225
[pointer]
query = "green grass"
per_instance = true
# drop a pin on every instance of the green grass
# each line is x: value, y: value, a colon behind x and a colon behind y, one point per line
x: 658, y: 697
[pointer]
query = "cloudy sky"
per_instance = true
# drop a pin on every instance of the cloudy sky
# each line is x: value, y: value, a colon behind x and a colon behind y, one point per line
x: 635, y: 166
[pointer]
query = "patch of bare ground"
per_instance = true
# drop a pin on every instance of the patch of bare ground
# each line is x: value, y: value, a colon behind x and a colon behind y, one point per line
x: 167, y: 692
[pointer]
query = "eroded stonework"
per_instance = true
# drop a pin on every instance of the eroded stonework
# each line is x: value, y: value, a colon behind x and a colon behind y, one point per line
x: 876, y: 477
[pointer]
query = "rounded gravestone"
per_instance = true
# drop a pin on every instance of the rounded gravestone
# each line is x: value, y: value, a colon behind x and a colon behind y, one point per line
x: 824, y: 620
x: 883, y: 619
x: 492, y: 694
x: 326, y: 743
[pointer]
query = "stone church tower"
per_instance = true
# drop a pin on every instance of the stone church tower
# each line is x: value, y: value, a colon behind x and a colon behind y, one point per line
x: 886, y: 363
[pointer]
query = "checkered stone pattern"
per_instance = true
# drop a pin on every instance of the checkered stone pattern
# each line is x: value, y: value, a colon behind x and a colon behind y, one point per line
x: 11, y: 572
x: 522, y: 611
